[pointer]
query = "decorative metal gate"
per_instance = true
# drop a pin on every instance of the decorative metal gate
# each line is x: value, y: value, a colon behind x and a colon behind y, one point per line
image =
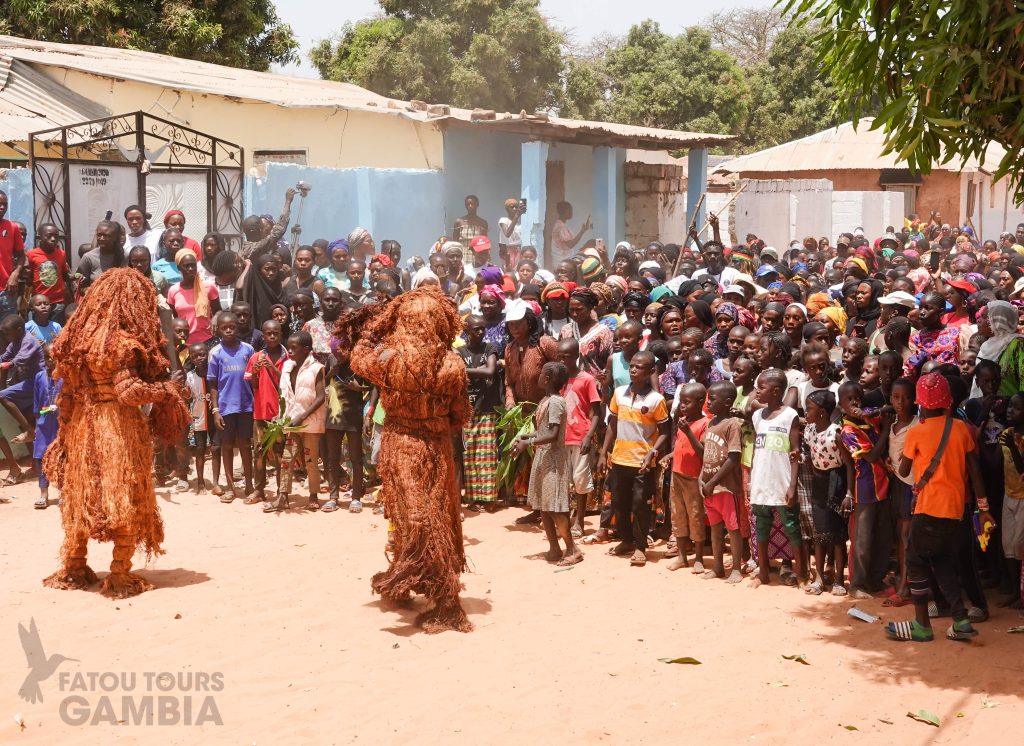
x: 83, y: 171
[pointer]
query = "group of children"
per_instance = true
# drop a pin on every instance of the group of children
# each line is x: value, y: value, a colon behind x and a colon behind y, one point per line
x: 794, y: 424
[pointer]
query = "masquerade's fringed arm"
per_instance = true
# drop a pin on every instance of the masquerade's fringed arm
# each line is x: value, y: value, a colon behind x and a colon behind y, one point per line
x: 170, y: 415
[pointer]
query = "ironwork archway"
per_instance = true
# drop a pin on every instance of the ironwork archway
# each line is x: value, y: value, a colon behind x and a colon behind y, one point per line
x: 82, y: 171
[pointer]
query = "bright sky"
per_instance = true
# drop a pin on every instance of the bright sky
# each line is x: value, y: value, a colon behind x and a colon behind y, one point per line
x: 583, y: 19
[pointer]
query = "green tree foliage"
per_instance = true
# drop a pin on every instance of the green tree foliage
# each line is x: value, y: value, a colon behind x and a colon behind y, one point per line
x: 497, y: 54
x: 789, y: 99
x: 946, y: 74
x: 675, y: 82
x: 240, y: 33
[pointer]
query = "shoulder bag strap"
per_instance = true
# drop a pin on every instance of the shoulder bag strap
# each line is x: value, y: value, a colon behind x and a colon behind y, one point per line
x: 937, y: 457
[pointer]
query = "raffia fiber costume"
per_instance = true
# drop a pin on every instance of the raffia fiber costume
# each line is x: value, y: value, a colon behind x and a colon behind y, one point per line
x: 111, y: 357
x: 406, y: 351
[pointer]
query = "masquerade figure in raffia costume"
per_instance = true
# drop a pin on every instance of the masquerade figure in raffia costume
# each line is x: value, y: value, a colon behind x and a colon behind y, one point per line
x: 111, y: 357
x: 406, y: 351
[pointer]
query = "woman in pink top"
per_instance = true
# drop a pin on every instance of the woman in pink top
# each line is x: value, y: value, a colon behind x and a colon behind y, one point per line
x: 193, y: 301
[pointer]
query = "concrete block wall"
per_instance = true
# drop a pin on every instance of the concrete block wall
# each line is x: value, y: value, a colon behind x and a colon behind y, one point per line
x: 655, y: 202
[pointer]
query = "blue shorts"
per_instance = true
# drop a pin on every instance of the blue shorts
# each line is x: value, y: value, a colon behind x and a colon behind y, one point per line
x: 21, y: 394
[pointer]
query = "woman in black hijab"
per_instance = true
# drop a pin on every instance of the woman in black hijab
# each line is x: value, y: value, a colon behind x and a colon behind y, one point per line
x: 864, y: 322
x: 262, y: 288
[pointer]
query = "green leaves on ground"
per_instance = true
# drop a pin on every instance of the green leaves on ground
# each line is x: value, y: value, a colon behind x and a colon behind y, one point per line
x: 925, y: 717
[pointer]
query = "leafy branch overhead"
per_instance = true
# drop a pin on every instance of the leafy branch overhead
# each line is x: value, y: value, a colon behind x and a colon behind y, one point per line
x: 504, y: 55
x: 945, y: 73
x: 239, y: 33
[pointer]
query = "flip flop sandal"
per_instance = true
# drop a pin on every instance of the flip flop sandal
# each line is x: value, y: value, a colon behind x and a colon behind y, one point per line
x: 41, y: 504
x: 13, y: 479
x: 639, y: 558
x: 908, y: 631
x: 330, y: 506
x: 576, y: 533
x: 961, y: 631
x: 895, y: 601
x: 814, y: 589
x: 313, y: 504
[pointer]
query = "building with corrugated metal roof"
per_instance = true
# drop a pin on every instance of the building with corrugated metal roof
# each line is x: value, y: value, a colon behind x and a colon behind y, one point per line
x: 401, y: 169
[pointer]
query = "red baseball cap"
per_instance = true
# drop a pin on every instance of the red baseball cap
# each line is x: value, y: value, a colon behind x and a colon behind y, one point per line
x: 480, y: 243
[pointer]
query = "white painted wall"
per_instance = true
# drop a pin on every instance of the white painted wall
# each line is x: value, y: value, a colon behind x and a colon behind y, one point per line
x: 872, y: 211
x: 779, y: 211
x: 994, y: 208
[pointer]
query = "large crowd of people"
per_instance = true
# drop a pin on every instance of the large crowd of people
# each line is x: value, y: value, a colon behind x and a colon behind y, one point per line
x: 843, y: 415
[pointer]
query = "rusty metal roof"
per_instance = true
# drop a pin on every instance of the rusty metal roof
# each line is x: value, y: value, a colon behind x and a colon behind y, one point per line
x: 840, y: 148
x: 282, y: 90
x: 29, y: 101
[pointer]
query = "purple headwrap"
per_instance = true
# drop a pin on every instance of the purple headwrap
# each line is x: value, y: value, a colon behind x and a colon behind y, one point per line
x: 491, y: 275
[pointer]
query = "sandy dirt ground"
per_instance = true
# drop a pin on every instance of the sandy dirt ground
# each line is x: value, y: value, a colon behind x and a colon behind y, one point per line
x: 280, y: 606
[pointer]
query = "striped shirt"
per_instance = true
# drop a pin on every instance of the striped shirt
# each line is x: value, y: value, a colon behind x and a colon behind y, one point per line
x: 638, y: 418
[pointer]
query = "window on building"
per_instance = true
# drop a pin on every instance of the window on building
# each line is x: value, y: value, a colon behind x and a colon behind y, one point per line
x: 297, y: 156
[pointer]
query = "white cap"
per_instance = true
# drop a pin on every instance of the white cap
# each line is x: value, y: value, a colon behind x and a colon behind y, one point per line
x: 738, y: 289
x: 898, y: 298
x: 515, y: 309
x: 771, y: 251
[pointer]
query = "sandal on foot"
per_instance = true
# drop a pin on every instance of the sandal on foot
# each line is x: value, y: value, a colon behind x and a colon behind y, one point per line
x: 355, y: 506
x: 896, y: 600
x: 961, y: 631
x: 599, y: 537
x: 839, y: 590
x: 313, y: 504
x: 253, y: 497
x: 13, y: 479
x: 41, y: 504
x: 281, y: 503
x: 228, y: 497
x: 621, y: 550
x: 639, y: 558
x: 571, y: 560
x: 977, y: 614
x: 908, y: 631
x: 815, y: 588
x: 330, y: 506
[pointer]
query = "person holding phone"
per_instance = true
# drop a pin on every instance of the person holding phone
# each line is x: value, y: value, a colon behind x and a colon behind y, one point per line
x: 510, y: 239
x: 562, y: 238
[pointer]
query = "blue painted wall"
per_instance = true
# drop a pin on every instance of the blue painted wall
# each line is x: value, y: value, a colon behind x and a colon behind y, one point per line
x: 401, y: 204
x: 485, y: 163
x: 17, y: 182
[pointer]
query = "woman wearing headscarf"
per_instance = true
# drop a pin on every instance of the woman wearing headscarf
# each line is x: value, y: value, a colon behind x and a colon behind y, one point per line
x: 492, y: 308
x: 1004, y: 346
x: 262, y: 289
x: 193, y: 301
x: 360, y: 244
x: 555, y: 298
x: 596, y: 340
x: 605, y: 305
x: 957, y: 291
x: 865, y: 321
x: 793, y: 320
x: 698, y: 314
x: 425, y: 276
x: 470, y: 295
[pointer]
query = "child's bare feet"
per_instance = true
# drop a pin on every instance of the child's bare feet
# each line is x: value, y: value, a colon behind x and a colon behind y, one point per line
x: 216, y: 490
x: 571, y: 559
x: 200, y: 487
x: 553, y: 555
x: 698, y: 568
x: 734, y: 577
x: 679, y: 563
x: 756, y: 581
x: 622, y: 549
